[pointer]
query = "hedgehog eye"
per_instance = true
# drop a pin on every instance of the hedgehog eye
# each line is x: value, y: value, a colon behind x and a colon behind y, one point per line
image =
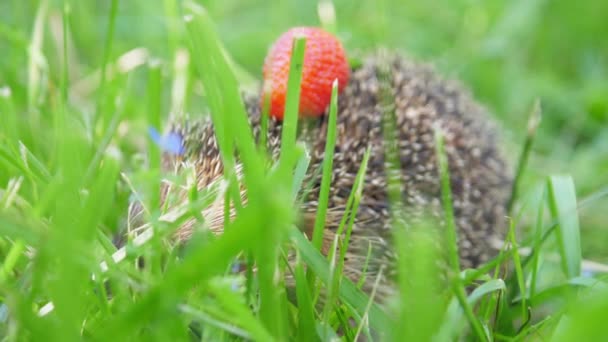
x: 171, y: 142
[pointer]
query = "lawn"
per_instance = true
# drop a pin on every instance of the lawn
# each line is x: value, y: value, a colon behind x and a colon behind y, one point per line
x: 82, y: 83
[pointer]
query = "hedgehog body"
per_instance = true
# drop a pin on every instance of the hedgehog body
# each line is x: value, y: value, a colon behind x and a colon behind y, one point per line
x: 479, y: 175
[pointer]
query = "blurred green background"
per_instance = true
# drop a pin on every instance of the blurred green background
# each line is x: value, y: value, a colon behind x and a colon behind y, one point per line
x: 508, y: 52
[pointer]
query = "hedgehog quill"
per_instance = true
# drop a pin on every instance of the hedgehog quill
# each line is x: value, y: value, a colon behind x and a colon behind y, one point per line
x: 421, y: 100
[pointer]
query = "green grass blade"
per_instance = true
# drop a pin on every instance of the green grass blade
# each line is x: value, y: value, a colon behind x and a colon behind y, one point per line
x: 211, y: 321
x: 300, y: 172
x: 345, y: 229
x: 223, y: 96
x: 330, y: 144
x: 421, y: 306
x: 36, y: 58
x: 538, y: 233
x: 264, y: 120
x: 446, y: 200
x: 306, y: 317
x: 240, y: 313
x: 287, y: 158
x: 107, y: 50
x: 273, y: 211
x: 485, y: 289
x: 519, y: 273
x: 533, y: 123
x: 562, y: 204
x: 200, y: 265
x: 180, y: 87
x: 584, y: 321
x: 154, y: 121
x: 109, y: 132
x: 26, y: 162
x: 451, y: 237
x: 348, y: 291
x: 66, y: 74
x: 16, y: 228
x: 9, y: 126
x: 10, y: 261
x: 453, y: 322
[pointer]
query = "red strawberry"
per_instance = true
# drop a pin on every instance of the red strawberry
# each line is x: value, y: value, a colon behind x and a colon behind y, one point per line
x: 324, y: 61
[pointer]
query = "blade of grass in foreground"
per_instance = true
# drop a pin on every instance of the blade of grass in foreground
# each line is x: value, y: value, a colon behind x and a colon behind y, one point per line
x: 306, y: 317
x: 65, y: 75
x: 9, y: 127
x: 300, y: 173
x: 453, y: 323
x: 421, y: 307
x: 107, y: 49
x: 240, y: 313
x: 290, y: 179
x: 330, y: 143
x: 264, y: 120
x: 562, y: 204
x: 20, y: 158
x: 274, y: 211
x: 272, y: 307
x: 519, y: 273
x: 203, y: 263
x: 342, y: 239
x: 223, y: 96
x: 533, y: 122
x: 548, y: 230
x: 538, y: 233
x: 584, y: 321
x: 287, y: 158
x: 154, y: 121
x: 348, y: 291
x: 36, y: 57
x: 317, y: 237
x: 11, y: 259
x: 451, y: 241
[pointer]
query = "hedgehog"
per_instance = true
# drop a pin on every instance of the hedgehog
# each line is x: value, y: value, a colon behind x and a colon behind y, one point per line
x: 421, y: 100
